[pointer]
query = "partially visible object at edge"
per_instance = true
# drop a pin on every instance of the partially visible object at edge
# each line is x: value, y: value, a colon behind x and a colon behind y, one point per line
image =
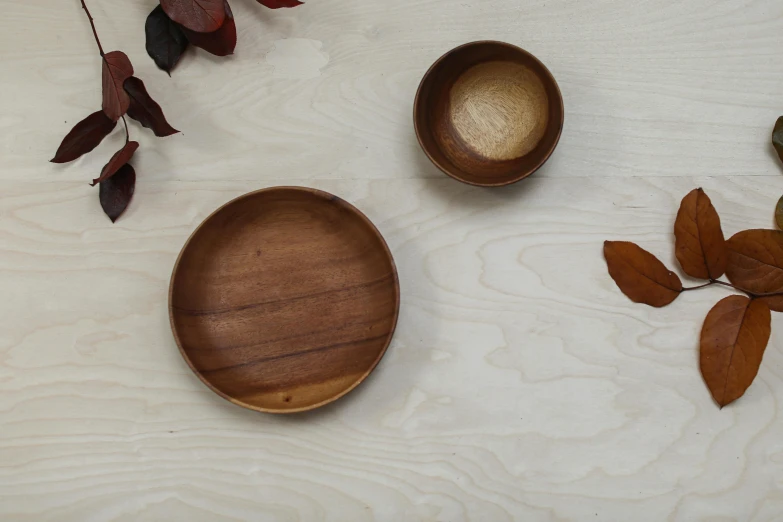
x: 777, y: 143
x: 737, y: 329
x: 209, y: 24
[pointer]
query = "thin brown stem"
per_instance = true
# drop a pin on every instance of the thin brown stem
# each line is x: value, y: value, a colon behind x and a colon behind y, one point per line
x: 733, y: 287
x: 103, y: 56
x: 92, y: 24
x: 723, y: 283
x: 705, y: 285
x: 750, y: 294
x: 127, y: 134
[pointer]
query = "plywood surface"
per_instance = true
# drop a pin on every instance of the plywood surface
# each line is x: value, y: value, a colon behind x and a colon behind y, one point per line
x: 521, y: 385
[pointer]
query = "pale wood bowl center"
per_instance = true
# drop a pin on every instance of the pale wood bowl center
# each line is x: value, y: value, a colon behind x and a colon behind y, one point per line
x: 499, y: 109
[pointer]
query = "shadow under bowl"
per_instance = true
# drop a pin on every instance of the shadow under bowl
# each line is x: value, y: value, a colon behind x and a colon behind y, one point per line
x: 488, y: 113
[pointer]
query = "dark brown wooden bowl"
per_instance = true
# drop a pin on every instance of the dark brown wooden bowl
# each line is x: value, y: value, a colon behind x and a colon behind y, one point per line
x: 488, y: 114
x: 284, y: 299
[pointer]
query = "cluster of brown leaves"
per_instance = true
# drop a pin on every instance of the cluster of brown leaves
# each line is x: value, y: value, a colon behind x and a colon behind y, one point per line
x: 123, y: 94
x: 737, y: 330
x: 209, y: 24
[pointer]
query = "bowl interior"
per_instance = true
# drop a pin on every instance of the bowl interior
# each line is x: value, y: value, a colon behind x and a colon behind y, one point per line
x: 489, y: 113
x: 284, y: 299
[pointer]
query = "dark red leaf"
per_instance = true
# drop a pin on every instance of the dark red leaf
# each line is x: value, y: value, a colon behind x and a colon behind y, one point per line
x: 145, y: 110
x: 640, y: 275
x: 733, y: 341
x: 700, y: 245
x: 203, y: 16
x: 777, y: 137
x: 221, y: 42
x: 120, y: 158
x: 277, y: 4
x: 116, y: 192
x: 116, y: 69
x: 165, y: 39
x: 84, y: 137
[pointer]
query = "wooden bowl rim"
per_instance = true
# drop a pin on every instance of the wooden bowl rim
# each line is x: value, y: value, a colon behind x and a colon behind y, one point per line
x: 331, y: 199
x: 550, y: 77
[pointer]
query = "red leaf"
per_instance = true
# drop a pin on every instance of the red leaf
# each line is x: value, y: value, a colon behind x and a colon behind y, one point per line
x: 116, y: 69
x: 700, y: 245
x: 145, y: 110
x: 777, y: 137
x: 116, y: 192
x: 756, y: 264
x: 84, y: 137
x: 166, y: 42
x: 277, y: 4
x: 640, y: 275
x: 203, y: 16
x: 733, y: 341
x: 221, y: 42
x: 120, y: 158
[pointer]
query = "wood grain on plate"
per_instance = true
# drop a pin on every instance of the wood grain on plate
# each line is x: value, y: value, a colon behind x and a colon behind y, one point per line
x: 284, y: 299
x: 520, y: 383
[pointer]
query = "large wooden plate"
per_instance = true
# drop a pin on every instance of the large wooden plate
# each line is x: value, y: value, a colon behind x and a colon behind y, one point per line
x: 284, y: 299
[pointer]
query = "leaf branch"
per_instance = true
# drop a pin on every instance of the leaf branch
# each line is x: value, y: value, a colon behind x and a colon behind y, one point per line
x: 691, y: 289
x: 103, y: 57
x: 94, y: 32
x: 751, y: 260
x: 734, y: 287
x: 127, y: 134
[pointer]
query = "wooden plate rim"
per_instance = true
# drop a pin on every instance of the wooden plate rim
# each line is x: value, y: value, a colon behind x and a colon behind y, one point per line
x: 548, y: 73
x: 329, y: 198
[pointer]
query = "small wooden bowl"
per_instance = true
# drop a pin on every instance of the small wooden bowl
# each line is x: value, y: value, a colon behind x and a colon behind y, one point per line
x: 284, y: 299
x: 488, y: 114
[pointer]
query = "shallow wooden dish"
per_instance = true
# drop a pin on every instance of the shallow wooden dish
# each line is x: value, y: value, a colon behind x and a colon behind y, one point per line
x: 284, y: 299
x: 488, y: 113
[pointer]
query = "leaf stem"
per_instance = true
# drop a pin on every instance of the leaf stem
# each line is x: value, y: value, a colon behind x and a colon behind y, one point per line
x: 127, y: 134
x: 723, y: 283
x: 103, y: 56
x: 94, y: 32
x: 705, y: 285
x: 733, y: 287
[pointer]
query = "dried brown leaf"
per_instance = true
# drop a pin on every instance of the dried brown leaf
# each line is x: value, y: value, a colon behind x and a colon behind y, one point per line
x: 755, y: 264
x: 640, y: 275
x: 120, y: 158
x: 699, y: 243
x: 733, y: 340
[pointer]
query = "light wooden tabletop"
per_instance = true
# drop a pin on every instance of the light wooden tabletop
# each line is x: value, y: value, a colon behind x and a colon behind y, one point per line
x: 520, y: 385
